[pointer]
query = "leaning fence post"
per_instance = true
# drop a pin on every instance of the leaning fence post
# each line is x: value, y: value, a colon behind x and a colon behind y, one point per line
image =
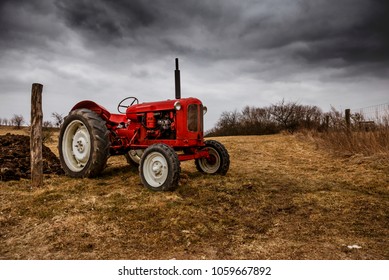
x: 36, y: 136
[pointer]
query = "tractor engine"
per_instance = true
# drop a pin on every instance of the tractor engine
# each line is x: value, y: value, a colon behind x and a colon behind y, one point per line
x: 159, y: 125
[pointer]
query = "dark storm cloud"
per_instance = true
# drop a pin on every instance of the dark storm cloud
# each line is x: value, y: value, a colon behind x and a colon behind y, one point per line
x: 107, y: 20
x: 364, y: 36
x: 24, y: 23
x: 327, y: 33
x: 156, y: 24
x: 334, y: 34
x: 123, y: 17
x: 331, y: 33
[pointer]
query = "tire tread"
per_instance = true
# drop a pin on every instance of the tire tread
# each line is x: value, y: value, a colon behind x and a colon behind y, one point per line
x: 173, y: 177
x: 99, y: 136
x: 224, y: 157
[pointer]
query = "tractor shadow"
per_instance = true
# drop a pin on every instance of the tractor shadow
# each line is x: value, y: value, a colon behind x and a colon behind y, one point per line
x: 119, y: 169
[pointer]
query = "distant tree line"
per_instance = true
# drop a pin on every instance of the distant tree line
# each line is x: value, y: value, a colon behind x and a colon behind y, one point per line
x: 289, y: 116
x: 18, y: 121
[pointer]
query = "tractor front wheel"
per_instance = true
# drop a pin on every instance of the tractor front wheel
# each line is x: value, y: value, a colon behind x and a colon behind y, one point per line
x: 218, y: 161
x: 83, y: 144
x: 160, y: 168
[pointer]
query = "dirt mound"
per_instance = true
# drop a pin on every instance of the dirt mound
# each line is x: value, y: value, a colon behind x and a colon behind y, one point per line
x: 15, y: 158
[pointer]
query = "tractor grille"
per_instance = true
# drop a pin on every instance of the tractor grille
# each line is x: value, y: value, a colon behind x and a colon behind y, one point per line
x: 193, y: 115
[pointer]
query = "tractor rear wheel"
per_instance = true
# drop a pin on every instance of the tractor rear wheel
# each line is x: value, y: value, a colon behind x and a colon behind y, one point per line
x: 218, y: 161
x: 83, y: 144
x: 160, y: 168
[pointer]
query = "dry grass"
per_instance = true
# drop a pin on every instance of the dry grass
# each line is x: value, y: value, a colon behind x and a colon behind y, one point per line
x: 356, y: 142
x: 283, y: 198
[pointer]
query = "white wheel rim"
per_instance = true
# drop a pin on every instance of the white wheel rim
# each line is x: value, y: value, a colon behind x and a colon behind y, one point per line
x: 155, y: 169
x: 210, y: 166
x: 76, y: 146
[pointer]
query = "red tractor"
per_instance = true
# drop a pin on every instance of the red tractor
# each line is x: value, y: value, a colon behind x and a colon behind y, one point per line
x: 155, y: 136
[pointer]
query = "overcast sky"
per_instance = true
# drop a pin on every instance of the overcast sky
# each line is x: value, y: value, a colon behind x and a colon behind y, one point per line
x: 232, y: 53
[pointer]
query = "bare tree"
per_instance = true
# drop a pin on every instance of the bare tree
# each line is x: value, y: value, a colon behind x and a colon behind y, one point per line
x: 310, y: 117
x: 228, y: 123
x: 251, y: 120
x: 47, y: 132
x: 4, y: 121
x: 257, y: 121
x: 58, y: 119
x: 336, y: 119
x: 287, y: 114
x: 17, y: 121
x: 47, y: 124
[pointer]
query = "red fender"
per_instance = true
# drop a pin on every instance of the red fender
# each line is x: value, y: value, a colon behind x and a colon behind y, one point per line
x: 101, y: 111
x: 93, y: 106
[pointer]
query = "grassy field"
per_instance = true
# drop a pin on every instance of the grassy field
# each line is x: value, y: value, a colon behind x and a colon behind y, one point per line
x: 283, y: 198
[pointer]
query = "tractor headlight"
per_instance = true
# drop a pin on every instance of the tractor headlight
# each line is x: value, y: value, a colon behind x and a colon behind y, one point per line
x: 205, y: 110
x: 177, y: 105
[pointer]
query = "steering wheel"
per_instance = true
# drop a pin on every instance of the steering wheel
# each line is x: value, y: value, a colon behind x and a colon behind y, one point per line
x: 121, y: 103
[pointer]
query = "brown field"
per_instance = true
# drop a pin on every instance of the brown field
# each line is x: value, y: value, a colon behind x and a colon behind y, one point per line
x: 283, y: 198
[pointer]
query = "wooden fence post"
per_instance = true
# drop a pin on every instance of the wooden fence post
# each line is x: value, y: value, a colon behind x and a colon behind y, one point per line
x: 348, y: 118
x: 36, y: 136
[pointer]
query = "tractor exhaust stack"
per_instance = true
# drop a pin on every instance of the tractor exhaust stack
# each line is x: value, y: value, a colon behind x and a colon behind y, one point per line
x: 177, y: 80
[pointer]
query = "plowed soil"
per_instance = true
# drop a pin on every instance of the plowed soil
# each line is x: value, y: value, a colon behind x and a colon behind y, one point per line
x: 15, y: 158
x: 283, y: 198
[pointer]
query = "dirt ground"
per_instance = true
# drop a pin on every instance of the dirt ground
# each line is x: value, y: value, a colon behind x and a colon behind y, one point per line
x: 283, y: 198
x: 15, y: 158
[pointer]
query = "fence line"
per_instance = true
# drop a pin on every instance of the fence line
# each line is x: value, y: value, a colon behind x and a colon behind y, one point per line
x: 377, y: 113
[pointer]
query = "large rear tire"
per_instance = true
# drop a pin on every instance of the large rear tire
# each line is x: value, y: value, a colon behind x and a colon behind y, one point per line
x: 83, y: 144
x: 160, y: 168
x: 218, y: 162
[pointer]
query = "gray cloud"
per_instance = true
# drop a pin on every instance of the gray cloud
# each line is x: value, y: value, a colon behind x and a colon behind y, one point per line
x: 24, y: 24
x: 313, y: 31
x: 360, y: 34
x: 329, y: 33
x: 262, y: 50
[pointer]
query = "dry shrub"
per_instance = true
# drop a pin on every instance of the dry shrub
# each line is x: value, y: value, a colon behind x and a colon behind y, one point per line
x: 346, y: 142
x: 361, y: 135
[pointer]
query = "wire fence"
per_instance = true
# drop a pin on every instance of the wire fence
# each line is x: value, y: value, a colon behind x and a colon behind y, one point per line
x: 377, y: 113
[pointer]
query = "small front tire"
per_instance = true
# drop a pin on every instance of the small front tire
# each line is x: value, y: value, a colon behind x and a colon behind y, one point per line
x: 159, y: 168
x: 218, y: 161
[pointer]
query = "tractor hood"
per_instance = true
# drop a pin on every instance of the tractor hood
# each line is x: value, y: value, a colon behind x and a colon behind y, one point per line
x: 162, y: 105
